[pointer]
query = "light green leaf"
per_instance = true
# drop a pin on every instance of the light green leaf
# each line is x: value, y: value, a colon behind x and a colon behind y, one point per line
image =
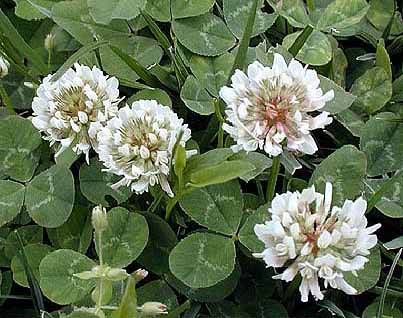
x: 105, y: 11
x: 391, y: 203
x: 382, y: 58
x: 381, y: 141
x: 395, y: 243
x: 157, y: 290
x: 73, y: 16
x: 259, y: 160
x: 28, y: 9
x: 341, y: 14
x: 49, y: 197
x: 96, y: 184
x: 367, y: 277
x: 160, y: 243
x: 205, y: 35
x: 67, y: 158
x: 352, y: 121
x: 373, y: 90
x: 159, y: 10
x: 128, y: 305
x: 196, y: 97
x: 342, y: 99
x: 212, y: 72
x: 57, y: 279
x: 19, y: 141
x: 221, y: 173
x: 190, y: 8
x: 34, y: 253
x: 317, y: 49
x: 212, y: 259
x: 207, y: 159
x: 210, y: 294
x: 345, y: 169
x: 247, y: 234
x: 157, y: 94
x: 125, y: 237
x: 293, y: 10
x: 236, y: 15
x: 11, y: 200
x: 380, y: 12
x: 217, y: 207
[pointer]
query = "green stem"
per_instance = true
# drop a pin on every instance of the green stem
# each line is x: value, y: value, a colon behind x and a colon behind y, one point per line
x: 260, y: 191
x: 171, y: 204
x: 311, y: 5
x: 391, y: 292
x: 220, y: 143
x: 271, y: 187
x: 6, y: 99
x: 101, y: 262
x: 49, y: 58
x: 175, y: 313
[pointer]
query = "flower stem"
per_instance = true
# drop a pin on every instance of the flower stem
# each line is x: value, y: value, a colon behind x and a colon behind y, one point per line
x: 171, y: 204
x: 6, y: 100
x: 101, y: 262
x: 220, y: 143
x: 271, y: 187
x: 311, y: 5
x: 49, y: 58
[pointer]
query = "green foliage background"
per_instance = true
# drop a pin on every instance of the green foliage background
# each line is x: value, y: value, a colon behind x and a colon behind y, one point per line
x: 198, y: 245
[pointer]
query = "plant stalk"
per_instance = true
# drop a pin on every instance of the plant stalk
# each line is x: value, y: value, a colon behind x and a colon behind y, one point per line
x: 271, y: 187
x: 6, y: 99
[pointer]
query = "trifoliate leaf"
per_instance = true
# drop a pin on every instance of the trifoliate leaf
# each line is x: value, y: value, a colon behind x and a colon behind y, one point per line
x: 212, y: 259
x: 49, y: 197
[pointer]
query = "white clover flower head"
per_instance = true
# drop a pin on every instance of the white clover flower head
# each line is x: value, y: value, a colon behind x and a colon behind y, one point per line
x: 4, y: 65
x: 138, y: 145
x: 71, y: 110
x: 269, y: 107
x: 316, y: 240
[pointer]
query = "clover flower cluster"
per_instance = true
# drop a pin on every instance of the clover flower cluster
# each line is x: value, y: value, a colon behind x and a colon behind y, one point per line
x: 71, y: 110
x: 316, y: 240
x: 80, y: 110
x: 269, y: 107
x: 138, y: 144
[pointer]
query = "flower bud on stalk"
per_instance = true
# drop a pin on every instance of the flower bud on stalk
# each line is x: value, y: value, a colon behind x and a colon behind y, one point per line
x: 49, y: 42
x: 99, y: 218
x: 140, y: 274
x: 153, y: 308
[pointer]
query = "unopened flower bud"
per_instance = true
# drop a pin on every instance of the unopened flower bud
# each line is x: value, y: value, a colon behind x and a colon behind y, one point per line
x: 50, y: 42
x: 29, y: 85
x: 140, y: 274
x: 4, y: 65
x: 153, y: 308
x: 99, y: 218
x: 116, y: 274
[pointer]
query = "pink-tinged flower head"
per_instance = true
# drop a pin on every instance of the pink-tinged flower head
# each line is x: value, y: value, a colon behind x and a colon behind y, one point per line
x: 316, y: 240
x: 270, y: 107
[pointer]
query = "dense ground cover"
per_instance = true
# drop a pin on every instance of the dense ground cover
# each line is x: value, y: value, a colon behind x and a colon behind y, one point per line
x: 229, y: 158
